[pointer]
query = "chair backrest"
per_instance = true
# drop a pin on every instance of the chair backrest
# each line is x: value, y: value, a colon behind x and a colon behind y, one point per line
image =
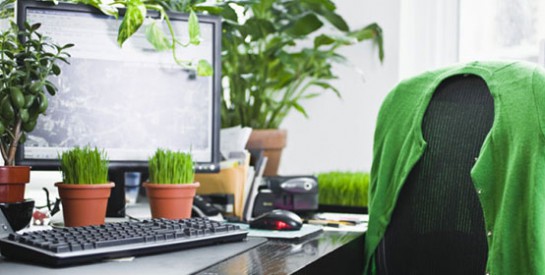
x: 437, y: 226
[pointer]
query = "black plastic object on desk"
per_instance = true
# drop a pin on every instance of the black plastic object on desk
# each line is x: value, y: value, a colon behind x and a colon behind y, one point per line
x: 277, y: 220
x: 74, y: 245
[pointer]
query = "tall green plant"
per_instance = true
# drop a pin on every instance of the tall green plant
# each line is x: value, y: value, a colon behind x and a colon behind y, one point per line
x: 268, y: 69
x: 171, y: 167
x: 27, y: 61
x: 84, y: 166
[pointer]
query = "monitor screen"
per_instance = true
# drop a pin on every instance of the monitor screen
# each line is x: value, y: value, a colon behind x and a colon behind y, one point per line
x: 128, y: 101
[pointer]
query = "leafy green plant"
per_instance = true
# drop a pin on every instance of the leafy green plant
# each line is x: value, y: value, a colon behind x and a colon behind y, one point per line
x: 84, y: 166
x: 268, y: 67
x: 134, y: 17
x: 344, y: 188
x: 27, y: 61
x: 171, y: 167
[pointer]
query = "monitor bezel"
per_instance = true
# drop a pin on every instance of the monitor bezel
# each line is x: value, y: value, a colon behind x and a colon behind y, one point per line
x: 200, y: 167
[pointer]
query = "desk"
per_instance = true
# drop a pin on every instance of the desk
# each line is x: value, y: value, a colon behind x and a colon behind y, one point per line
x: 327, y: 253
x: 331, y: 252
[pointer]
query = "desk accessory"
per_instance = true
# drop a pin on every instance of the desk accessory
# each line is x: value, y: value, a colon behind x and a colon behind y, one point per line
x: 230, y: 180
x: 264, y: 202
x: 5, y: 226
x: 172, y: 185
x: 278, y: 219
x: 18, y: 214
x: 85, y: 188
x: 295, y: 193
x: 203, y: 208
x: 307, y: 231
x: 68, y: 246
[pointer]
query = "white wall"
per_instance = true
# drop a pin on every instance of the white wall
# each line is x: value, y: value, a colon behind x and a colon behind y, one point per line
x: 339, y: 133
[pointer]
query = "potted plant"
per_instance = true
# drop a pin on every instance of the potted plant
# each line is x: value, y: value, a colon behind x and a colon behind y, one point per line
x: 345, y: 192
x: 85, y: 189
x: 27, y: 60
x: 269, y: 64
x: 171, y: 187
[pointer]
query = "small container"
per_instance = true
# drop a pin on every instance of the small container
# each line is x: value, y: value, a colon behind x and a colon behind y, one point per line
x: 132, y: 187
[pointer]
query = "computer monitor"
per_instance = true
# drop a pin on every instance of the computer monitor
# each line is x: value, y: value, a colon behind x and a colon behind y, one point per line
x: 128, y: 101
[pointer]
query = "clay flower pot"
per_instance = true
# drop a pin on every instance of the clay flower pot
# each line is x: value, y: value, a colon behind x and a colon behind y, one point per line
x: 12, y: 183
x: 171, y: 201
x: 84, y: 204
x: 272, y: 142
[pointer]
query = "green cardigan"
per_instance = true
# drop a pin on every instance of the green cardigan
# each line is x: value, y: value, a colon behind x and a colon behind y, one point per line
x: 509, y: 173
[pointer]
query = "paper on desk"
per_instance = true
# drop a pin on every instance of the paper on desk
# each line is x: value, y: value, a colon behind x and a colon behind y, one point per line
x: 233, y: 139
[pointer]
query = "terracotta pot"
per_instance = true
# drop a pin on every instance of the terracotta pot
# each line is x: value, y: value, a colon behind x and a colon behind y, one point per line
x: 171, y: 201
x: 271, y: 141
x: 84, y: 204
x: 12, y: 183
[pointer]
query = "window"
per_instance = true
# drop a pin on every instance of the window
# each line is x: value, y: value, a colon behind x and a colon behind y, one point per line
x: 501, y: 29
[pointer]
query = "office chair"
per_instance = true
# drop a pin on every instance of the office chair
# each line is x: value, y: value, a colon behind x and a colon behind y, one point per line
x: 457, y: 182
x: 437, y: 226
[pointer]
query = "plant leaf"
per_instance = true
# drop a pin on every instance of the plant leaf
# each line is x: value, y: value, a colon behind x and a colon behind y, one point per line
x: 210, y: 9
x: 305, y: 25
x: 157, y: 37
x: 371, y: 31
x: 194, y: 29
x: 323, y: 39
x: 204, y: 68
x: 327, y: 86
x: 299, y: 108
x: 133, y: 19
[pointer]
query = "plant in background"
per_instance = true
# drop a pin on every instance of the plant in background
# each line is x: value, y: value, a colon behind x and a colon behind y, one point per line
x: 135, y: 16
x: 267, y: 67
x: 344, y: 188
x: 171, y: 167
x: 84, y: 166
x: 27, y: 60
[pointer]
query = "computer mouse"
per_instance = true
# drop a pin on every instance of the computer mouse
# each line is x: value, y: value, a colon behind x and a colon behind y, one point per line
x: 277, y: 220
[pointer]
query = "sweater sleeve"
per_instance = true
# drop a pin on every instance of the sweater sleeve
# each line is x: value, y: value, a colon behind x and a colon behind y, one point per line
x: 538, y: 82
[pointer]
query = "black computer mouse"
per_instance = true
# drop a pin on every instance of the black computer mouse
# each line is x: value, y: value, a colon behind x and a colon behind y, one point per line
x: 277, y: 220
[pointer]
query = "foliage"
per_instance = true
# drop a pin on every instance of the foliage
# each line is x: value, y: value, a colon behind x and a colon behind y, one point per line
x: 84, y: 166
x: 344, y: 188
x: 267, y: 65
x: 27, y: 60
x: 171, y: 167
x: 6, y: 9
x: 135, y: 15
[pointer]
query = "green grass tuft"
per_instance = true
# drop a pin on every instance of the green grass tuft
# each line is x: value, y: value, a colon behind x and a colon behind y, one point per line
x: 170, y: 167
x: 344, y: 188
x: 84, y: 166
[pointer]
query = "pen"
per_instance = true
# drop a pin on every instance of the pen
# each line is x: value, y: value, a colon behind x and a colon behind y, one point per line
x: 329, y: 223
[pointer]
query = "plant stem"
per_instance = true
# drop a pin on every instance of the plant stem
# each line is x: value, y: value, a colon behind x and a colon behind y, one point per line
x: 13, y: 146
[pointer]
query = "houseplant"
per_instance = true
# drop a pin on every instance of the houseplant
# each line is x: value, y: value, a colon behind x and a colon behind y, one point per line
x: 171, y: 185
x: 27, y: 60
x: 84, y: 189
x: 343, y: 191
x: 135, y: 16
x: 274, y: 52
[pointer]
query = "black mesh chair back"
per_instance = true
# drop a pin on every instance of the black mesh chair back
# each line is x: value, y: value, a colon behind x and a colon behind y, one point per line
x: 437, y: 226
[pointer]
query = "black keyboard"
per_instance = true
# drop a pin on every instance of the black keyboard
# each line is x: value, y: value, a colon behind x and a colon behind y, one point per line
x: 75, y: 245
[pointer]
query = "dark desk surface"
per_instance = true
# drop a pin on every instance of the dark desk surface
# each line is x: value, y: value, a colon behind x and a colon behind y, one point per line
x: 327, y: 253
x: 331, y: 252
